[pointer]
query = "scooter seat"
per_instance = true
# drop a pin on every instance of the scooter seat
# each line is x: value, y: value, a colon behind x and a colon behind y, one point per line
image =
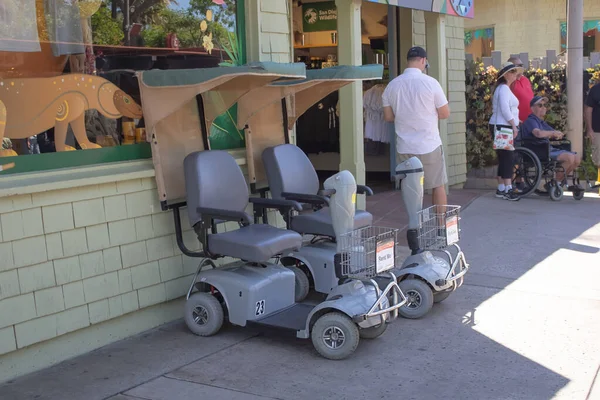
x: 254, y: 243
x: 319, y: 222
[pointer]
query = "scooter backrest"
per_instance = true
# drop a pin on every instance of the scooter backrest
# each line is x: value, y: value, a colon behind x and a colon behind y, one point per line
x: 289, y: 170
x: 213, y: 180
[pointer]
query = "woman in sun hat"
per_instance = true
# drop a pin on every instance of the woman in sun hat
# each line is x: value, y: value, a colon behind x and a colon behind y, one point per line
x: 505, y: 107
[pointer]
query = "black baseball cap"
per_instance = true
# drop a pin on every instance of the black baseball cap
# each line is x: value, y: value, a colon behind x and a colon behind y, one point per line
x: 537, y: 99
x: 416, y: 52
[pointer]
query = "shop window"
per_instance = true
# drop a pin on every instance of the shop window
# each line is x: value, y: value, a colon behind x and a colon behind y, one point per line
x: 68, y: 92
x: 591, y: 36
x: 479, y: 42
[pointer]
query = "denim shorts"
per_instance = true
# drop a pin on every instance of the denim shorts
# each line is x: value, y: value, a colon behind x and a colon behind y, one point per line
x: 554, y: 153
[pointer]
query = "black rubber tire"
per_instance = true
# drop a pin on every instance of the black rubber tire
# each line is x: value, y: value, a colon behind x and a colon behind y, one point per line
x: 441, y: 296
x: 373, y: 332
x: 214, y: 314
x: 578, y: 194
x: 425, y: 298
x: 302, y: 283
x: 556, y: 192
x: 532, y: 161
x: 343, y: 323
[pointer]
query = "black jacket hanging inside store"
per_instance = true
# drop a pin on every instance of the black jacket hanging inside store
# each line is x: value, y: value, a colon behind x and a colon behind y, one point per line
x: 318, y: 129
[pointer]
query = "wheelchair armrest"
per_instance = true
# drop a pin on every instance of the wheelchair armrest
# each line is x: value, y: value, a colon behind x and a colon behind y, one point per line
x: 362, y: 189
x: 561, y: 144
x: 226, y: 215
x: 314, y: 199
x: 278, y: 204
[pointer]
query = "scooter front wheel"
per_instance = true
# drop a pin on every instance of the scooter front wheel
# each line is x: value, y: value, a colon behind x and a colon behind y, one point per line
x: 335, y: 336
x: 441, y: 296
x: 372, y: 332
x: 419, y: 298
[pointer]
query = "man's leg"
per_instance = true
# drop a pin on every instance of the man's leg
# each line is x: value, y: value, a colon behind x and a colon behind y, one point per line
x: 434, y: 166
x: 439, y: 196
x: 567, y: 161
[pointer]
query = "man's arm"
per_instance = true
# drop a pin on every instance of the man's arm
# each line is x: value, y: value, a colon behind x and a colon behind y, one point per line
x: 538, y: 133
x: 441, y: 102
x: 587, y: 113
x: 388, y: 114
x: 592, y: 97
x: 443, y: 112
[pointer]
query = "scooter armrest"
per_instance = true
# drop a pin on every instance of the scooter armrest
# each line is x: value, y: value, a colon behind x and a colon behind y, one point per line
x: 314, y: 199
x: 279, y: 204
x: 326, y: 192
x: 226, y: 215
x: 362, y: 189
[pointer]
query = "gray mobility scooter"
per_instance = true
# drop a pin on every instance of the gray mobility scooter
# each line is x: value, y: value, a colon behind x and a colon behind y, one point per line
x: 426, y: 278
x: 329, y: 217
x: 256, y: 289
x: 291, y: 175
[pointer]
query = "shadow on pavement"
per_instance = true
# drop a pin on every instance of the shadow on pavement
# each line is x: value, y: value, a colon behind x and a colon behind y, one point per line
x: 530, y: 341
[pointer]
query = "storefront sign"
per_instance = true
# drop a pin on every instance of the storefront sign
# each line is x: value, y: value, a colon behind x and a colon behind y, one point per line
x: 318, y: 17
x: 459, y: 8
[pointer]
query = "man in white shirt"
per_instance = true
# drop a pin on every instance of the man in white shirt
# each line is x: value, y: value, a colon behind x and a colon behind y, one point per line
x: 415, y: 102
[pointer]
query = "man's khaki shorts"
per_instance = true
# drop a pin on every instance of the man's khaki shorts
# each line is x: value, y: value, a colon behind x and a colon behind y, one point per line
x: 596, y: 148
x: 434, y: 167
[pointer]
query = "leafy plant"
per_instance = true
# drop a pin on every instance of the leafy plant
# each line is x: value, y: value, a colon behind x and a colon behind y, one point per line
x: 233, y: 50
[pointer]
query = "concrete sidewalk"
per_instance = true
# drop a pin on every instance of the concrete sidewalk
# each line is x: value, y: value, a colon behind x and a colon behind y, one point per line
x: 524, y: 326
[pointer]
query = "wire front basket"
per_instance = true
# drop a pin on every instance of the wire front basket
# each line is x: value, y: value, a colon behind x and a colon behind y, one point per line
x: 438, y: 230
x: 368, y: 252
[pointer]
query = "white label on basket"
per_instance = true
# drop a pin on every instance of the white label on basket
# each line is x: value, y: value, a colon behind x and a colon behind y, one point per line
x: 385, y: 255
x: 452, y: 230
x: 425, y: 215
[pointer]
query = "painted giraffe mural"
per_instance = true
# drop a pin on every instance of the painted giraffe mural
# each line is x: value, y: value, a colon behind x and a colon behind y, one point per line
x: 31, y: 106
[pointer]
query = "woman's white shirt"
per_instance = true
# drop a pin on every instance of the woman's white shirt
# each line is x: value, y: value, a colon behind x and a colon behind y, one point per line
x: 505, y: 106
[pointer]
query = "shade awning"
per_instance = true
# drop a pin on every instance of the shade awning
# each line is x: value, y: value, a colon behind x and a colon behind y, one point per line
x: 262, y: 108
x: 318, y: 84
x: 173, y: 118
x: 458, y: 8
x: 163, y: 92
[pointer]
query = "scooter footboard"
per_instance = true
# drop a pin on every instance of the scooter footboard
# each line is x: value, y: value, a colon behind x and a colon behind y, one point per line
x: 458, y: 266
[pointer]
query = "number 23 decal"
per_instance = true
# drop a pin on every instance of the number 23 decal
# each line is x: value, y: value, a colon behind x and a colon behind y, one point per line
x: 260, y: 307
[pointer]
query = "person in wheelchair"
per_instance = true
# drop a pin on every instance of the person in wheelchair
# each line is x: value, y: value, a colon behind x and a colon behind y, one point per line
x: 536, y: 133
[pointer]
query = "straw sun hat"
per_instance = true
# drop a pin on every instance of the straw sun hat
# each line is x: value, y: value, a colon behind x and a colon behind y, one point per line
x: 507, y: 67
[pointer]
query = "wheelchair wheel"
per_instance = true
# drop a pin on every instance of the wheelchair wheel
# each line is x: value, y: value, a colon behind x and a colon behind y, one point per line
x: 556, y: 192
x: 527, y: 171
x: 578, y: 194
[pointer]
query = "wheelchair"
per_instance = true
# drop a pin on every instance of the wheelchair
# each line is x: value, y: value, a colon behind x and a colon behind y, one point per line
x: 532, y: 163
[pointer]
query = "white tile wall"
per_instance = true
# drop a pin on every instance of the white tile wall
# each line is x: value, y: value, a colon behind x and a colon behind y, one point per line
x: 76, y: 257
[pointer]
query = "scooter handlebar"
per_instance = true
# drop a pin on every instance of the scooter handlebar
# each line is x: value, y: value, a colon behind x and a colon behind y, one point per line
x: 362, y: 189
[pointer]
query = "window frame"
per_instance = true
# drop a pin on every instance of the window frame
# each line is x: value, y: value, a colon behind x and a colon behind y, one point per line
x: 47, y: 162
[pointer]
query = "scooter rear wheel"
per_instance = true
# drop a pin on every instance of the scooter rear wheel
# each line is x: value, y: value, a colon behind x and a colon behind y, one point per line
x: 420, y: 298
x: 203, y: 314
x: 335, y: 336
x: 302, y: 283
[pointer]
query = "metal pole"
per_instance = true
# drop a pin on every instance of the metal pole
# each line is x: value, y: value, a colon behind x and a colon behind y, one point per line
x: 128, y: 25
x: 575, y: 74
x: 393, y: 68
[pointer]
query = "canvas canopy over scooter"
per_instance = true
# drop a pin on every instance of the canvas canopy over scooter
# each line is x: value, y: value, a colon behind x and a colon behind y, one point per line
x: 173, y: 102
x: 264, y: 111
